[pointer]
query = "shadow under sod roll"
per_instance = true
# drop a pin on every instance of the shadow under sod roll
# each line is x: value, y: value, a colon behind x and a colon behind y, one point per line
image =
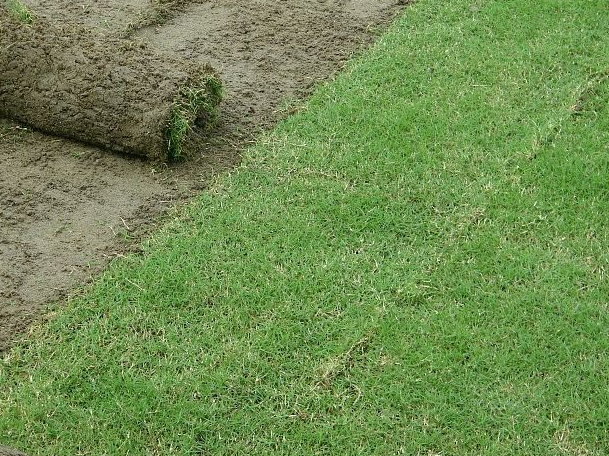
x: 110, y: 92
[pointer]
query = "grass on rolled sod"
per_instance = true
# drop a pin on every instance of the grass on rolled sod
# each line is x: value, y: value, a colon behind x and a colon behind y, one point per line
x: 192, y: 103
x: 19, y: 11
x: 416, y: 263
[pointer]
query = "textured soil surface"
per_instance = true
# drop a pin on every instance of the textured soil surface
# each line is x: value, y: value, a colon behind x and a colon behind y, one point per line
x: 67, y: 209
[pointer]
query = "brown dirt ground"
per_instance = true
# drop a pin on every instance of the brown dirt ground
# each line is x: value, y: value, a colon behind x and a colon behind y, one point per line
x: 67, y: 209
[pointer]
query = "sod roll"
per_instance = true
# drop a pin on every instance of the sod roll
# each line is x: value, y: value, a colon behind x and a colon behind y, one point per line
x: 109, y: 92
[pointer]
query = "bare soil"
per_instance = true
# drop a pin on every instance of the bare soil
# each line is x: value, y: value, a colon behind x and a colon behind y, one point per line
x: 67, y: 209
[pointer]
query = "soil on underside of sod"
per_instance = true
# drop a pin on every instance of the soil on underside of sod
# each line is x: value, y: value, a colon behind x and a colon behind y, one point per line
x: 67, y: 209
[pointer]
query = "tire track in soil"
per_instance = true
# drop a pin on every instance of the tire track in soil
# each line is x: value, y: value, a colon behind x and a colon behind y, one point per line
x: 66, y: 208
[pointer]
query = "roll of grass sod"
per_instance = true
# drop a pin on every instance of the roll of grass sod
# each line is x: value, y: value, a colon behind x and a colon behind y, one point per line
x: 109, y: 92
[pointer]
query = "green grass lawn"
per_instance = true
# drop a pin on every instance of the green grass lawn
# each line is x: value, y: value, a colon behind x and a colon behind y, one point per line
x: 417, y: 263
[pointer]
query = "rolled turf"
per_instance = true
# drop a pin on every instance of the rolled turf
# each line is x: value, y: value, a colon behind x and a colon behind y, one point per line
x: 109, y: 92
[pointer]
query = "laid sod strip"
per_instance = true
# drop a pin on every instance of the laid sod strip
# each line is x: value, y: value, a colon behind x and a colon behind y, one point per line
x: 108, y: 92
x: 411, y: 265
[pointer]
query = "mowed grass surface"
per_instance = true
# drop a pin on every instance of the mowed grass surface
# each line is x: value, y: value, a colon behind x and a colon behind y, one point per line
x: 414, y: 264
